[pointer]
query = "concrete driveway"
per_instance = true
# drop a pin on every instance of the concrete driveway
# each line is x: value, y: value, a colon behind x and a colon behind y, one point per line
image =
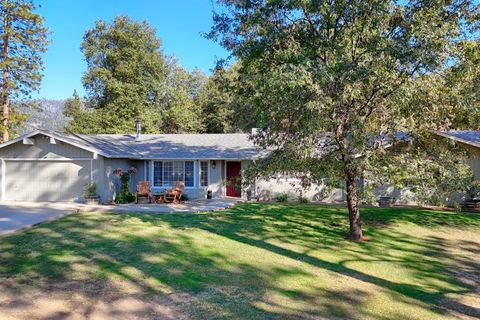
x: 19, y: 215
x: 16, y: 215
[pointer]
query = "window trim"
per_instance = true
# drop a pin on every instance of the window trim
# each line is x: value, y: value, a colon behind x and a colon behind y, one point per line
x: 200, y: 173
x: 152, y: 168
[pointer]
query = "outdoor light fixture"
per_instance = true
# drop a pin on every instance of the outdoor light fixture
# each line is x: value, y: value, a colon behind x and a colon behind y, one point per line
x: 214, y: 164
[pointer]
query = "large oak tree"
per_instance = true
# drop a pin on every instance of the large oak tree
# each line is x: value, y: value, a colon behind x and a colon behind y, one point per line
x: 333, y: 84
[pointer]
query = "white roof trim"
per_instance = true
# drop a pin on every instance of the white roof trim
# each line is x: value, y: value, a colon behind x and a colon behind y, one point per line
x: 446, y: 135
x: 55, y: 136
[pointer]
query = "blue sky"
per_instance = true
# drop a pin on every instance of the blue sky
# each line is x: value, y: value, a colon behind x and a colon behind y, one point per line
x: 178, y: 23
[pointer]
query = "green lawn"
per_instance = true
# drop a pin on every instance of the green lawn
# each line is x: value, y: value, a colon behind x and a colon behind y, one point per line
x: 254, y: 261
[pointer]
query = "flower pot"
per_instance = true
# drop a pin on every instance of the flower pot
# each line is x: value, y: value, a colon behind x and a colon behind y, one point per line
x: 92, y: 199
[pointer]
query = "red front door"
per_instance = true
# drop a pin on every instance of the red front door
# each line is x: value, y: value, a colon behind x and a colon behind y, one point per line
x: 234, y: 183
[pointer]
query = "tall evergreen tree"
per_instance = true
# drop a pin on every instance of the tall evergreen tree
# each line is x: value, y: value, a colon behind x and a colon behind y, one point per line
x: 126, y: 70
x: 128, y: 76
x: 180, y: 112
x: 333, y: 82
x: 216, y: 99
x: 23, y: 40
x: 73, y: 105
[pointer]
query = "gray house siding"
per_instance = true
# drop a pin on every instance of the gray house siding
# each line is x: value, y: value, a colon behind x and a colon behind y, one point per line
x: 111, y: 183
x: 474, y: 163
x: 216, y: 179
x: 42, y: 148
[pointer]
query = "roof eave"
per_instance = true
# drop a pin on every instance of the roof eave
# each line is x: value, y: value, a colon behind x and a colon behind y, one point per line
x: 454, y: 138
x: 55, y: 136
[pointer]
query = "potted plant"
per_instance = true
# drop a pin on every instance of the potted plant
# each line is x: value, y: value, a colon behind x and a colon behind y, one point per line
x: 91, y: 196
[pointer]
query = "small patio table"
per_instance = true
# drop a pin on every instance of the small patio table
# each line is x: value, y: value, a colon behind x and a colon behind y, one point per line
x: 159, y: 197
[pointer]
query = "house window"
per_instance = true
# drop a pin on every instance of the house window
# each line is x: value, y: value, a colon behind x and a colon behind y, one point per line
x: 189, y: 173
x: 204, y: 173
x: 167, y: 173
x: 157, y: 173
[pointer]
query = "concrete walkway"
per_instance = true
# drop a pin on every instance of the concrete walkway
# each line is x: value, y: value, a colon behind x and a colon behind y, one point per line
x: 187, y: 207
x: 16, y: 216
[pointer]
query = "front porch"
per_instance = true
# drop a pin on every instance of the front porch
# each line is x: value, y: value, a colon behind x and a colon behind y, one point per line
x: 218, y: 177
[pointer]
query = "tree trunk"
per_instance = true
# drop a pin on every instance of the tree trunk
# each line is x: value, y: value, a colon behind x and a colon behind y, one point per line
x: 355, y: 232
x: 5, y: 76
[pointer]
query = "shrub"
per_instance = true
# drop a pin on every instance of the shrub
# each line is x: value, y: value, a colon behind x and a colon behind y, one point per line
x: 125, y: 198
x: 184, y: 197
x: 302, y: 199
x: 91, y: 190
x: 281, y: 197
x: 457, y: 206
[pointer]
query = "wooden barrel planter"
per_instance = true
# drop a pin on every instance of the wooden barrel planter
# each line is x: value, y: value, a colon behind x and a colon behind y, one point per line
x: 386, y: 202
x: 92, y: 199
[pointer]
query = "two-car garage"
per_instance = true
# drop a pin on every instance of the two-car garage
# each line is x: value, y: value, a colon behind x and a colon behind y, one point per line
x: 43, y: 168
x: 45, y: 180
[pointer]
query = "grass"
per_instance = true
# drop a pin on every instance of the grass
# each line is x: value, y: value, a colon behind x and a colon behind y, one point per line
x: 253, y: 261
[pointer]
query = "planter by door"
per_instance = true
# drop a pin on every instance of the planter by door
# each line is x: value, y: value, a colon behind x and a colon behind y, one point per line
x: 233, y: 179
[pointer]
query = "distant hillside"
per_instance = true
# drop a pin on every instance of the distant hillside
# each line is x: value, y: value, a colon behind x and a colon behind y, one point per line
x: 48, y: 115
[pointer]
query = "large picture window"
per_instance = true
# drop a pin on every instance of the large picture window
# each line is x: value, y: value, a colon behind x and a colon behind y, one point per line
x: 167, y: 173
x: 204, y: 173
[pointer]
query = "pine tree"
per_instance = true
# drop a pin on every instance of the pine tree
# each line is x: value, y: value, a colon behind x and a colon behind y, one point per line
x: 23, y: 40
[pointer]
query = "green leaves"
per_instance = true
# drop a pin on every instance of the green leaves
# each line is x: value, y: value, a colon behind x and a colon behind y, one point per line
x: 23, y: 40
x: 354, y: 74
x: 128, y: 76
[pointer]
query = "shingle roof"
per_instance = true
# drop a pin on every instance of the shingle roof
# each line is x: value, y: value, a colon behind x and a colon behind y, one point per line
x: 470, y: 137
x: 174, y: 146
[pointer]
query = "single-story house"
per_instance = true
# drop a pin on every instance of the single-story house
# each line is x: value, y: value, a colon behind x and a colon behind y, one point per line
x: 470, y: 140
x: 52, y: 166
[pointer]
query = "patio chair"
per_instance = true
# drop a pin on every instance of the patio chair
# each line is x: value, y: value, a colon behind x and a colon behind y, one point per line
x: 173, y: 195
x: 143, y: 191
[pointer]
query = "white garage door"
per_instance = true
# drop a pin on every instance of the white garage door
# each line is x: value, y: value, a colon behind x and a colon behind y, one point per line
x: 46, y: 180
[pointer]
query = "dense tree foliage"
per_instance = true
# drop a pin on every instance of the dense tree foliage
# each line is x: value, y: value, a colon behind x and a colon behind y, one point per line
x: 23, y: 40
x: 333, y: 83
x: 72, y: 105
x: 128, y: 76
x: 216, y: 99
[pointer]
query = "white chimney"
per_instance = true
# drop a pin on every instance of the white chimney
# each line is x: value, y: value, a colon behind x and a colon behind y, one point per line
x: 138, y: 127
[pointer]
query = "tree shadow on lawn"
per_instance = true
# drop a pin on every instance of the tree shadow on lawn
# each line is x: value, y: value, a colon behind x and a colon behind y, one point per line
x: 95, y: 256
x: 179, y: 278
x: 425, y: 257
